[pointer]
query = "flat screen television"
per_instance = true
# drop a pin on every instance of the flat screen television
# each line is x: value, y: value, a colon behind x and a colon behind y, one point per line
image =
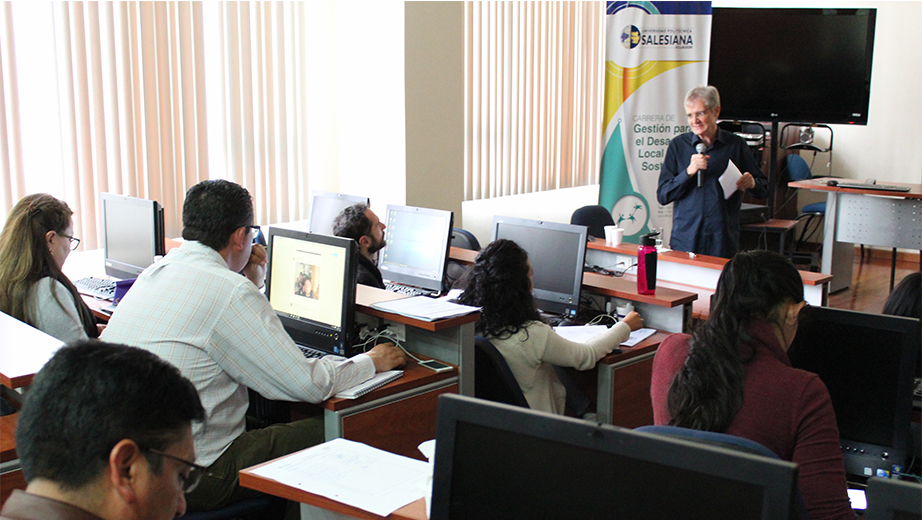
x: 499, y: 461
x: 310, y: 283
x: 418, y: 241
x: 325, y: 206
x: 867, y: 362
x: 800, y: 65
x: 132, y: 234
x: 557, y: 253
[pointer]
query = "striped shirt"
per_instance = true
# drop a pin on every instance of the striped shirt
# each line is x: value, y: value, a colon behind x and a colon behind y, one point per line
x: 222, y: 334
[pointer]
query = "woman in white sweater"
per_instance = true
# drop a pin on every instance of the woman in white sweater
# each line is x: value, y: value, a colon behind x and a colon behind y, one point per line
x: 35, y: 241
x: 500, y: 283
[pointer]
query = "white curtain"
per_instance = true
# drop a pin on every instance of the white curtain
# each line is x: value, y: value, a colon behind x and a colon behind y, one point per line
x: 262, y: 84
x: 533, y: 96
x: 134, y: 108
x: 131, y: 97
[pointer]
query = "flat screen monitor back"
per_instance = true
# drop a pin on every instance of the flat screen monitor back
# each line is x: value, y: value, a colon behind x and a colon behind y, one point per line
x: 132, y: 231
x: 893, y: 500
x: 557, y: 253
x: 499, y: 461
x: 418, y: 240
x: 867, y: 363
x: 310, y: 283
x: 325, y: 206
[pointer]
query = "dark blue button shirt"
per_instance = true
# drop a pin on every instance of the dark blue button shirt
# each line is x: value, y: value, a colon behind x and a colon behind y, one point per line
x: 702, y: 220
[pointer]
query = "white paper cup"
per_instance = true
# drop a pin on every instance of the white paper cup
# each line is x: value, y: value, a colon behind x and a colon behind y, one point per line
x: 613, y: 235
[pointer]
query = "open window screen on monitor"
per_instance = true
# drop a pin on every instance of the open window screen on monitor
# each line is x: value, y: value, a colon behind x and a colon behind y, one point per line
x: 132, y: 234
x: 557, y: 253
x: 418, y: 240
x: 325, y: 206
x: 867, y: 363
x: 499, y: 461
x: 310, y: 283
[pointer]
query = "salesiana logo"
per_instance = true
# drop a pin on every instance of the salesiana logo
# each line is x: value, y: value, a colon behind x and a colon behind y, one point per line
x: 630, y: 37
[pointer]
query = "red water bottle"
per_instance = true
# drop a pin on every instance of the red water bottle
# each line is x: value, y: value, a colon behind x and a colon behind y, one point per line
x: 646, y: 264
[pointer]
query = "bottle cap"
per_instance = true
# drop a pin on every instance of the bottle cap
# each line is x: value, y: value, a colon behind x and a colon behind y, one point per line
x: 649, y: 239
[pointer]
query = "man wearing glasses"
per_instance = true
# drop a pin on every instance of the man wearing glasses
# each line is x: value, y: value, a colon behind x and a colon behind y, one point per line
x: 703, y: 221
x: 195, y: 310
x: 106, y: 432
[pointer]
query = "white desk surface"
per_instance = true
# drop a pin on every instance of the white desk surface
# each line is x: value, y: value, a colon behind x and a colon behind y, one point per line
x: 24, y: 350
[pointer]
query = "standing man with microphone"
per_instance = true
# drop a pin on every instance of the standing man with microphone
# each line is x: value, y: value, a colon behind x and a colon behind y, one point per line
x: 703, y: 221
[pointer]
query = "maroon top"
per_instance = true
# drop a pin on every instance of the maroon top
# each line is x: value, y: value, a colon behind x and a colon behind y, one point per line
x: 785, y: 409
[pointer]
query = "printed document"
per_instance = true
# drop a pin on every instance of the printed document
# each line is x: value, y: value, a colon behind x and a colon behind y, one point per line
x: 355, y: 474
x: 587, y: 332
x: 728, y: 179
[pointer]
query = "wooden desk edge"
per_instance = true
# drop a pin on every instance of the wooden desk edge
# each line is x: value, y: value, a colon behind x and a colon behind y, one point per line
x: 414, y: 376
x: 415, y: 510
x: 651, y: 343
x: 819, y: 184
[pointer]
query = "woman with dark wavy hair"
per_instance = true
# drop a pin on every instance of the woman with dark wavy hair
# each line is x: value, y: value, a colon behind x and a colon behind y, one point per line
x: 36, y: 239
x: 500, y: 283
x: 733, y: 376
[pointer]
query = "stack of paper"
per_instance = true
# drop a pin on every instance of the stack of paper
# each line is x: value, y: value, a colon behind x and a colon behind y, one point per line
x: 424, y: 308
x: 585, y: 333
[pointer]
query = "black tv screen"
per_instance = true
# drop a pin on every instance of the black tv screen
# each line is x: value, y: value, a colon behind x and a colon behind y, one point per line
x: 795, y: 65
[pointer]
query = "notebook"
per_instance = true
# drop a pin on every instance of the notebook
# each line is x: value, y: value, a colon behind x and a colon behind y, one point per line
x: 372, y: 384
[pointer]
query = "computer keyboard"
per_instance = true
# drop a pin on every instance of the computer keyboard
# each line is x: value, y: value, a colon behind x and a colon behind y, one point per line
x: 876, y: 187
x: 311, y: 353
x: 406, y: 289
x: 96, y: 287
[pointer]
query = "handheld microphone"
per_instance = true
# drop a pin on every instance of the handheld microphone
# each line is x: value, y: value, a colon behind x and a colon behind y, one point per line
x: 700, y: 148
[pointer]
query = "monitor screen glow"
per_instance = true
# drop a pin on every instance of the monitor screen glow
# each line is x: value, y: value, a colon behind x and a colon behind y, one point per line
x: 418, y: 240
x: 310, y: 283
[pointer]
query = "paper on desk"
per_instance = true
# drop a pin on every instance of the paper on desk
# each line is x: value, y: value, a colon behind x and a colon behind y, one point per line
x: 353, y: 473
x: 586, y: 333
x: 728, y: 179
x: 425, y: 308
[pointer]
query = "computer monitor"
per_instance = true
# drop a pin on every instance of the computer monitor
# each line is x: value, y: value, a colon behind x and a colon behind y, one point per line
x: 310, y: 283
x: 499, y: 461
x: 893, y: 500
x: 132, y: 234
x: 557, y: 253
x: 867, y: 361
x: 325, y: 206
x: 418, y: 240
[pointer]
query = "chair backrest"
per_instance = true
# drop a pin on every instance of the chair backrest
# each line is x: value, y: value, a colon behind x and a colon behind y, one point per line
x: 731, y: 442
x: 797, y: 168
x: 493, y: 380
x: 593, y: 217
x: 464, y: 239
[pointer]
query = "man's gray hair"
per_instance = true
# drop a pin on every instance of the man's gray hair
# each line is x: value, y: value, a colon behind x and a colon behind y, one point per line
x: 708, y: 94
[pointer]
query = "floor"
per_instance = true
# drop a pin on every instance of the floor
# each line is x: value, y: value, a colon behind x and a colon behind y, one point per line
x: 871, y: 281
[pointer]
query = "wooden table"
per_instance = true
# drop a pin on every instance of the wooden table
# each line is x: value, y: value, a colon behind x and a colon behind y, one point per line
x: 316, y: 506
x: 623, y: 384
x: 775, y: 226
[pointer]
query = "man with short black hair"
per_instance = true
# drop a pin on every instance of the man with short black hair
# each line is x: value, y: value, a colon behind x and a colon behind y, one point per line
x: 361, y: 224
x: 106, y: 433
x: 194, y: 310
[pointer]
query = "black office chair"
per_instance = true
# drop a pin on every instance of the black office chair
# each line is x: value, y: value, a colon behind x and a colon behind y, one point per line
x: 731, y: 442
x: 454, y: 269
x: 593, y: 217
x: 493, y: 380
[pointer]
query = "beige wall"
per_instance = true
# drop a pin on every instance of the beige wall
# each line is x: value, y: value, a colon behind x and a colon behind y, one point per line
x: 434, y: 48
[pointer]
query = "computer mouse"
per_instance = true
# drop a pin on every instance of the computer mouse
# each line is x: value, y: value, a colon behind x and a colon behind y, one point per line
x: 832, y: 182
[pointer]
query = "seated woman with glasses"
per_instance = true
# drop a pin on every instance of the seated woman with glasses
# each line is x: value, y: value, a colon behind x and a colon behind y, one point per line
x: 733, y: 376
x: 35, y: 241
